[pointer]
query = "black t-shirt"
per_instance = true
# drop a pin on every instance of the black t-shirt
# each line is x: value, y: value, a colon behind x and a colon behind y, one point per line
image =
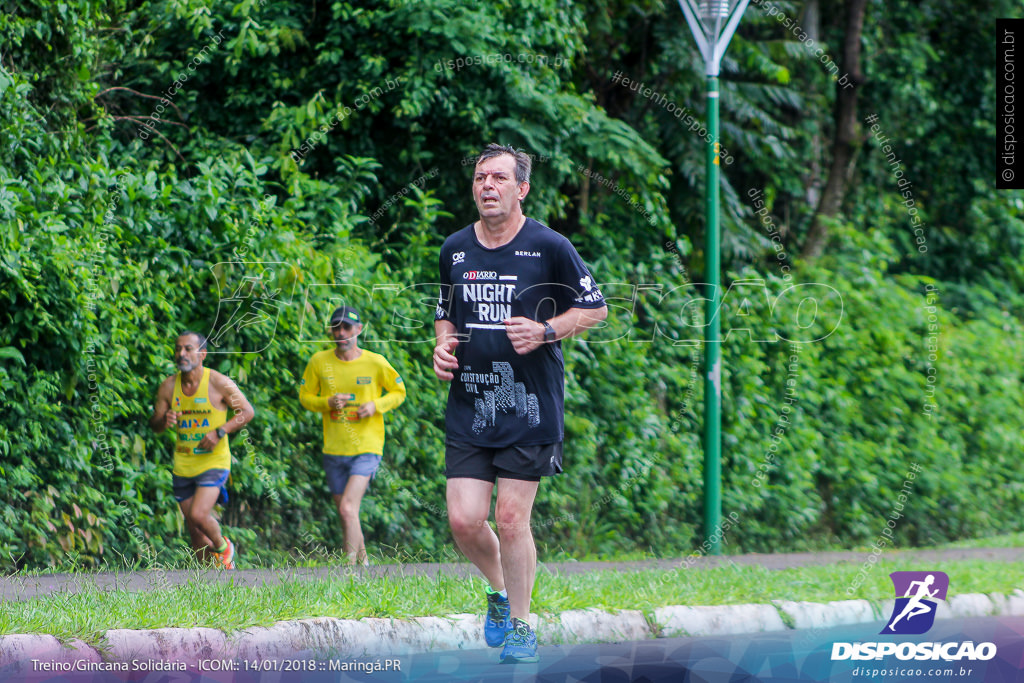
x: 499, y: 398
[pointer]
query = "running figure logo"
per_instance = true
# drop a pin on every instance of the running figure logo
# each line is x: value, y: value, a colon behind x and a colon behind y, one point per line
x: 252, y: 304
x: 917, y: 596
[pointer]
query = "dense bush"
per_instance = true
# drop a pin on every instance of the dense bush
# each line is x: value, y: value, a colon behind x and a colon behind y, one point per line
x: 111, y: 243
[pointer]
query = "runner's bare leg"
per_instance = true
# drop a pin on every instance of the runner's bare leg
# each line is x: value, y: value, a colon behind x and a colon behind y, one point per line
x: 518, y: 551
x: 469, y: 507
x: 348, y: 505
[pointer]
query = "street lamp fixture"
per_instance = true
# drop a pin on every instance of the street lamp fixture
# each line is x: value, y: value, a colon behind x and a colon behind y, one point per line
x: 713, y: 22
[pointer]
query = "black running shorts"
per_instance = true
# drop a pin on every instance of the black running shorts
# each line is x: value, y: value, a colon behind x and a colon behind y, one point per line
x: 525, y: 463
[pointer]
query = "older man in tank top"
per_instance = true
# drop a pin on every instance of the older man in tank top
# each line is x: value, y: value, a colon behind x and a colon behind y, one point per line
x: 195, y: 402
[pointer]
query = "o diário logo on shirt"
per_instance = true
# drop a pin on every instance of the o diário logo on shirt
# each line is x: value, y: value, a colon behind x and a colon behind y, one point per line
x: 480, y: 275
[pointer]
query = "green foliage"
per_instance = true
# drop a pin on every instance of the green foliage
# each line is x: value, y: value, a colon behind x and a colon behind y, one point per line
x: 941, y: 129
x: 117, y: 231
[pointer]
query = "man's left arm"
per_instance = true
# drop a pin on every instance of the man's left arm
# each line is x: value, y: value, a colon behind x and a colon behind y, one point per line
x: 235, y: 400
x: 527, y: 335
x: 576, y: 321
x: 393, y: 384
x: 582, y: 309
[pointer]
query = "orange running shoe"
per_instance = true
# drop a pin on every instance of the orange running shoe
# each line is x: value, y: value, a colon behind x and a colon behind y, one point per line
x: 227, y: 558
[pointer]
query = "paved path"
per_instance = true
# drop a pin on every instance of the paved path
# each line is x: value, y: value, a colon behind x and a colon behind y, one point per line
x: 26, y: 587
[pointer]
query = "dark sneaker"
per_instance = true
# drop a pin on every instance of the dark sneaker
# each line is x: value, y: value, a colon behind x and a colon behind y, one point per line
x: 496, y: 624
x: 520, y: 644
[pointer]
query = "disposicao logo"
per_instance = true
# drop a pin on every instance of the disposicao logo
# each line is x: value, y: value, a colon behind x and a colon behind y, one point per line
x: 917, y: 596
x: 917, y: 599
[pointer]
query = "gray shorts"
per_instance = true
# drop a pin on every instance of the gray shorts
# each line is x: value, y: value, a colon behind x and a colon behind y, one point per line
x: 340, y: 467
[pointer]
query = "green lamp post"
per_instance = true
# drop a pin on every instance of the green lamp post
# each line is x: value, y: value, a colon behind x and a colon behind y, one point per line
x: 713, y: 22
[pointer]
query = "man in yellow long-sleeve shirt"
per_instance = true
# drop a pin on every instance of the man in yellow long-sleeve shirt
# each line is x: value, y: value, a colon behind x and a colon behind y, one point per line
x: 347, y: 385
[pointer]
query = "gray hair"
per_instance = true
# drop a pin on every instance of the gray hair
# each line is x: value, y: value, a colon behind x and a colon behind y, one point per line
x: 523, y: 163
x: 201, y: 338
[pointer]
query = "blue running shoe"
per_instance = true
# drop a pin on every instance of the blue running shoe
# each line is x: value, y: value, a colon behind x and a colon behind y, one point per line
x: 520, y: 644
x: 496, y: 624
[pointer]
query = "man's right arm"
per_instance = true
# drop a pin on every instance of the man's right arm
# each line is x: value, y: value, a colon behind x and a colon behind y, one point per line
x: 444, y: 350
x: 309, y: 392
x: 163, y: 417
x: 444, y: 329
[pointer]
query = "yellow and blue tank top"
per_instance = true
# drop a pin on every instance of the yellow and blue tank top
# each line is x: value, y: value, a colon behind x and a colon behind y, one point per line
x: 196, y: 418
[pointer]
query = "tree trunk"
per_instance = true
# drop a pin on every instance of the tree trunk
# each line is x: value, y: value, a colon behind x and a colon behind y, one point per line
x: 814, y: 179
x: 845, y: 142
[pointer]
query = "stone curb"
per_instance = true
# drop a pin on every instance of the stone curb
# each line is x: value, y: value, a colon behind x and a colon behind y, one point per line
x: 595, y: 626
x: 817, y: 615
x: 717, y: 621
x: 328, y: 637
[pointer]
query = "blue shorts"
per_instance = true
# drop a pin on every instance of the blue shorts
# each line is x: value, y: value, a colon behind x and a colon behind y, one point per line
x: 185, y: 487
x: 340, y: 467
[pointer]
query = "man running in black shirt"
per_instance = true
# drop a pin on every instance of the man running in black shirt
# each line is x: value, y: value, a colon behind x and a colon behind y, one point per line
x: 511, y: 288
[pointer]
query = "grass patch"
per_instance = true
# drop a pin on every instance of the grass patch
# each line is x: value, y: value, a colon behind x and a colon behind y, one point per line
x: 352, y: 595
x: 1004, y: 541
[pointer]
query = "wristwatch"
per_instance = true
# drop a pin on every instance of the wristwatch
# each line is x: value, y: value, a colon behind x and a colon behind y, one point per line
x: 220, y: 432
x: 549, y: 333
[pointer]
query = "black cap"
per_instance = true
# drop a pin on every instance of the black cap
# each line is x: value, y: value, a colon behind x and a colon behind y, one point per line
x: 345, y: 314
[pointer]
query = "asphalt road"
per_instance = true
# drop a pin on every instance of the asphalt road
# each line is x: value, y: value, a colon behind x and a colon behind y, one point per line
x: 24, y: 587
